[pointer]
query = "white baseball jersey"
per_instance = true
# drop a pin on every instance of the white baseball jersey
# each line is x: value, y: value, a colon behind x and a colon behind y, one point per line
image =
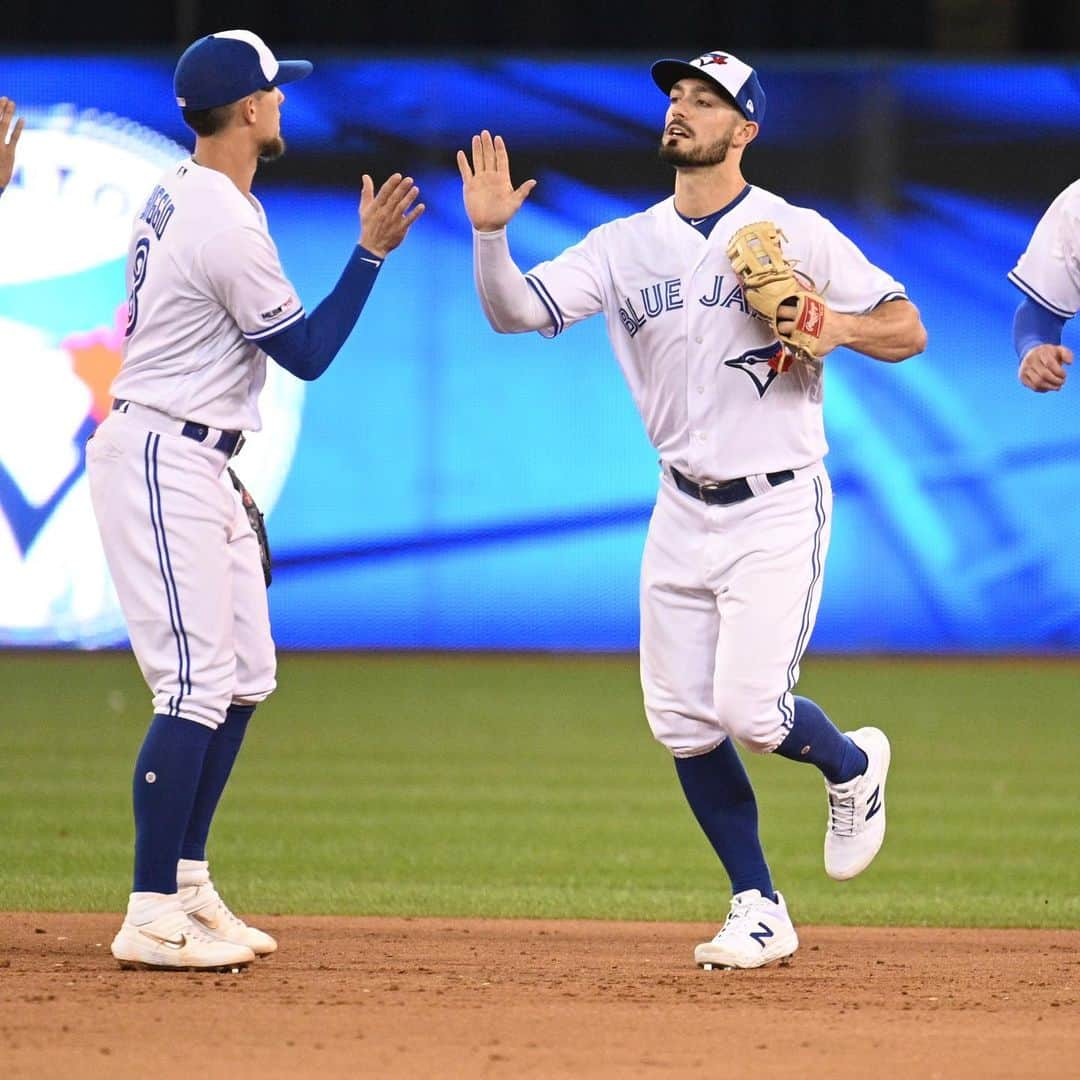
x: 1049, y: 271
x: 205, y: 285
x: 695, y: 357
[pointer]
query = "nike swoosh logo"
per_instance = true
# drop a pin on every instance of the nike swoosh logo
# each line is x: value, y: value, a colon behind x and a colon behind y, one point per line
x: 210, y: 924
x: 171, y: 943
x: 696, y: 221
x: 374, y: 262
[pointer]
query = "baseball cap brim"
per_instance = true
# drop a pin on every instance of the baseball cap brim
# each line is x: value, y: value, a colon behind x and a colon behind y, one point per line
x: 292, y: 71
x: 666, y: 73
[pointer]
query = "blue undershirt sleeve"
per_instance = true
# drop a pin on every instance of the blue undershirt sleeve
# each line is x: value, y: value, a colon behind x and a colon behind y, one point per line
x: 1035, y: 325
x: 306, y: 348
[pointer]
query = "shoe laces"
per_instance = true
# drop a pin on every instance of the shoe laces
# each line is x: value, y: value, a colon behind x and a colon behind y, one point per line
x: 739, y: 910
x: 210, y: 902
x: 842, y: 814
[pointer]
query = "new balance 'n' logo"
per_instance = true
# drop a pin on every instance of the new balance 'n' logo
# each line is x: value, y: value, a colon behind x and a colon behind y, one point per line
x: 873, y: 803
x: 761, y: 935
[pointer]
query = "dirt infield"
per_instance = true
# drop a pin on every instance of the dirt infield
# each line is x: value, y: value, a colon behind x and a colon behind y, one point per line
x: 497, y: 998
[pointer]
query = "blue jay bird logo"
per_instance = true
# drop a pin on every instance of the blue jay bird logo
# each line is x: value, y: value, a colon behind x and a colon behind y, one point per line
x: 758, y: 364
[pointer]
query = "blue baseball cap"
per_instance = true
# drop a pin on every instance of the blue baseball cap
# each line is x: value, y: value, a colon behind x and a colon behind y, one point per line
x: 739, y: 81
x: 224, y: 67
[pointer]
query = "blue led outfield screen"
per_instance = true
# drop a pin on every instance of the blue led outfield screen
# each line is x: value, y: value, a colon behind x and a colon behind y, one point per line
x: 446, y: 487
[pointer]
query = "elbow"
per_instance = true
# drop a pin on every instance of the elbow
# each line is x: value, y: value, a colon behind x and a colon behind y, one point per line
x: 922, y: 341
x: 497, y: 326
x: 917, y: 342
x: 914, y: 339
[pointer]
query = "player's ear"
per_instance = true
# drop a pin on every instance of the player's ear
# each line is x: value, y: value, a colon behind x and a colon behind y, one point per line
x: 745, y: 133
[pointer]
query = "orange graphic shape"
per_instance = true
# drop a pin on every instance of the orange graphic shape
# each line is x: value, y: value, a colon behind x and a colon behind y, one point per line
x: 96, y: 357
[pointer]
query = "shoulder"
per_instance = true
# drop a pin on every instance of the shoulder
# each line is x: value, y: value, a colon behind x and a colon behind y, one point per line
x: 213, y: 196
x: 1068, y: 202
x: 633, y: 225
x: 770, y: 206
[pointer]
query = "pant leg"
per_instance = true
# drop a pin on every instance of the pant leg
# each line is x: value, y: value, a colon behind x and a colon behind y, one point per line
x: 768, y: 567
x: 164, y: 519
x: 679, y: 627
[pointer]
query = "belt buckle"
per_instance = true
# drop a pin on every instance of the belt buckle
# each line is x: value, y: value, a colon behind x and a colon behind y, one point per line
x: 707, y: 490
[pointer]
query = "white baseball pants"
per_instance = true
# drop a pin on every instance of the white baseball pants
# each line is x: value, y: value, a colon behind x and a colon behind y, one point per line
x: 729, y: 595
x: 186, y: 567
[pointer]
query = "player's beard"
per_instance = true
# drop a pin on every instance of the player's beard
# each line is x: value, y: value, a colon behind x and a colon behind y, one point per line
x: 696, y: 157
x: 271, y: 149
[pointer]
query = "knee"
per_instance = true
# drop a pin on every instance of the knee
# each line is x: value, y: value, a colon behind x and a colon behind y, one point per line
x: 757, y: 725
x: 255, y: 683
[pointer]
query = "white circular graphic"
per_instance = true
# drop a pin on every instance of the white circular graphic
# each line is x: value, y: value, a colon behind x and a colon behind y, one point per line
x: 66, y: 222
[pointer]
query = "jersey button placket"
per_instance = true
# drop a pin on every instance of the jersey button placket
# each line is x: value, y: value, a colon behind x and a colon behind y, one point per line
x: 697, y: 404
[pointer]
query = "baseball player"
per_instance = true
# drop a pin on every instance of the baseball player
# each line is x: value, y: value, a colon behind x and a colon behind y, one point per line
x: 1048, y: 273
x: 7, y: 146
x: 732, y: 569
x: 208, y: 302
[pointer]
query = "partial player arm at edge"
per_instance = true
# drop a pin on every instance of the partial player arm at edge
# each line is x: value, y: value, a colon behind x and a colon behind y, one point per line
x: 1035, y: 325
x: 1037, y: 340
x: 509, y: 301
x: 307, y: 347
x: 892, y: 331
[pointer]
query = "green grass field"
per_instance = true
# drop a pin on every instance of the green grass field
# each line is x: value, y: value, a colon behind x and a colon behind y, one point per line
x: 530, y: 786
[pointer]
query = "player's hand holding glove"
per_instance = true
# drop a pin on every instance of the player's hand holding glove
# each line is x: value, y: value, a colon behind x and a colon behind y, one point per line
x: 769, y: 283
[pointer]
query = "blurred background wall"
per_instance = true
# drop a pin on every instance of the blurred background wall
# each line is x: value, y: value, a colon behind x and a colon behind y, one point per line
x: 446, y: 487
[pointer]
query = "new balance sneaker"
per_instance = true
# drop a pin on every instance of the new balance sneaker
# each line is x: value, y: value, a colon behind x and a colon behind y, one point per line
x: 172, y: 942
x: 756, y: 932
x: 856, y: 827
x: 205, y: 908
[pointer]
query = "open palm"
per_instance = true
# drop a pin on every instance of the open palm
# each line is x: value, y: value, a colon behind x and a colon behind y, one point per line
x: 491, y: 199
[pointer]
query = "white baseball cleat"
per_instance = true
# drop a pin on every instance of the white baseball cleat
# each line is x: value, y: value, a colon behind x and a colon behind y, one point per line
x: 856, y: 827
x: 172, y: 942
x: 756, y: 932
x: 205, y: 908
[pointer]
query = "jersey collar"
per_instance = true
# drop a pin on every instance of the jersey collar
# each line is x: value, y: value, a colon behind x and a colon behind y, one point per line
x: 704, y: 225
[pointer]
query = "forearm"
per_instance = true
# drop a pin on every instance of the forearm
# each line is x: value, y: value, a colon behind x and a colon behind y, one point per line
x: 1034, y: 325
x: 509, y: 302
x: 307, y: 348
x: 893, y: 331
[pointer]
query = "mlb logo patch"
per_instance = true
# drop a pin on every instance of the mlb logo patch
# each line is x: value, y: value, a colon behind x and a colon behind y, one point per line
x: 273, y: 313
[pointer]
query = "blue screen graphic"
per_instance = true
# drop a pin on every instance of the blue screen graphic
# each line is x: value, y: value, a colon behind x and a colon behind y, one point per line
x: 447, y: 487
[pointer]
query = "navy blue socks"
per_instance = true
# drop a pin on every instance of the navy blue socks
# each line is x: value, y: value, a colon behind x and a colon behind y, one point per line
x: 816, y: 739
x: 217, y: 765
x: 719, y: 793
x: 167, y: 773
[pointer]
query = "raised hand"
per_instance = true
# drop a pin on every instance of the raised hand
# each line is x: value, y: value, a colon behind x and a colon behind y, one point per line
x: 386, y: 217
x: 7, y: 149
x: 1043, y: 368
x: 491, y: 199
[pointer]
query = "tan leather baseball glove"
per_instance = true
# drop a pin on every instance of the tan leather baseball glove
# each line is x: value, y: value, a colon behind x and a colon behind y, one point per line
x: 768, y: 280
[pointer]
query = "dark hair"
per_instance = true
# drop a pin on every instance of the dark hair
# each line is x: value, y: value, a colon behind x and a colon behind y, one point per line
x: 211, y: 121
x: 208, y: 121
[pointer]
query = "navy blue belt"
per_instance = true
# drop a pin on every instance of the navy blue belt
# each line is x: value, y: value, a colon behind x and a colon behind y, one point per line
x: 726, y: 492
x: 228, y: 442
